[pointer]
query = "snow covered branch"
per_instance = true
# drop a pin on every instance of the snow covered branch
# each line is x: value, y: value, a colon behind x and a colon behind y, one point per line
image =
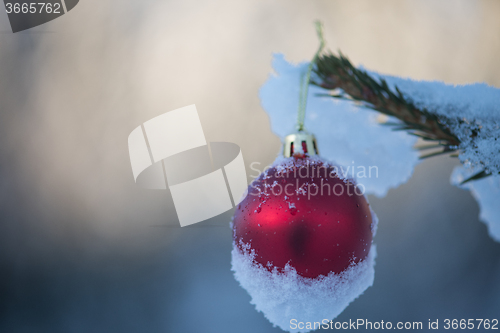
x: 457, y: 118
x: 462, y: 119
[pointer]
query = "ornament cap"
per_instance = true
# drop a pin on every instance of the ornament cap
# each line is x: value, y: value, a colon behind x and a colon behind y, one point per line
x: 299, y: 143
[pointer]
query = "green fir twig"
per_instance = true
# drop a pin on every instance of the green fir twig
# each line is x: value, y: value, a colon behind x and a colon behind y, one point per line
x: 336, y: 73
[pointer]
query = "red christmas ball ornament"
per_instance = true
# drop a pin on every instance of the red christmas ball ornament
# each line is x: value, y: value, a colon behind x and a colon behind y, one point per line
x: 302, y: 238
x: 303, y: 213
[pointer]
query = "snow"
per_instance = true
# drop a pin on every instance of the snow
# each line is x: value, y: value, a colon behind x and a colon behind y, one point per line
x: 374, y: 224
x: 486, y: 191
x: 347, y: 135
x: 282, y: 297
x: 464, y: 109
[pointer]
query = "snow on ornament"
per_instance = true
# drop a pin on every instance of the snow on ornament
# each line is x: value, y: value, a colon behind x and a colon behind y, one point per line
x: 302, y: 238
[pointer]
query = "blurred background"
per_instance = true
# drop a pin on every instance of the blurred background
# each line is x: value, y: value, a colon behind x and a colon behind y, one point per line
x: 83, y: 249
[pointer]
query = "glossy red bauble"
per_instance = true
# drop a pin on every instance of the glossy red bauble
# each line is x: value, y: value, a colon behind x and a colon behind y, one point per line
x: 302, y: 212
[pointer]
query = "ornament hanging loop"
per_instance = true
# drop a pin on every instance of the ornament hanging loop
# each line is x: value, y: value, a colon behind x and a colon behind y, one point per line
x: 301, y: 143
x: 304, y: 86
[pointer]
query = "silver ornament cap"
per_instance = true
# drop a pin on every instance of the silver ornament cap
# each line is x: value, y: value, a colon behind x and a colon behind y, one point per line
x: 298, y: 143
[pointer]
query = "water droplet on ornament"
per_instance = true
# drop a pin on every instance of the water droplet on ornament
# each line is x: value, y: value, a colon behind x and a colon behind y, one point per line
x: 259, y: 225
x: 357, y: 205
x: 259, y: 209
x: 293, y: 210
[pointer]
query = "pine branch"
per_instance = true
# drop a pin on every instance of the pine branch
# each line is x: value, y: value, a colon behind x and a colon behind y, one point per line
x: 479, y: 175
x: 337, y: 73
